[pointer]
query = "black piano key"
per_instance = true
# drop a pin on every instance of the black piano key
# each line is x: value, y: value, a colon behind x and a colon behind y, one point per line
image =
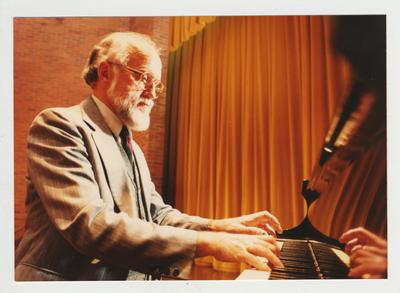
x: 337, y: 275
x: 296, y: 271
x: 331, y: 272
x: 285, y: 275
x: 333, y: 266
x: 298, y: 264
x: 300, y: 255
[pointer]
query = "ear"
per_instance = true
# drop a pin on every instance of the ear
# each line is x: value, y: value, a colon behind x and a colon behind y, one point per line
x: 104, y: 71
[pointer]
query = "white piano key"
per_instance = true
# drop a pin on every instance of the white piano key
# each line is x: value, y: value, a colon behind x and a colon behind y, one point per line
x: 342, y: 256
x: 253, y: 274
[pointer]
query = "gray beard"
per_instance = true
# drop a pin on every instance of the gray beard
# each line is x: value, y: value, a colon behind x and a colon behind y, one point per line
x: 132, y: 117
x: 128, y: 112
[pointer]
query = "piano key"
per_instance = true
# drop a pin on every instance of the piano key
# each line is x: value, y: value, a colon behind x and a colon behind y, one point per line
x: 283, y: 275
x: 295, y: 272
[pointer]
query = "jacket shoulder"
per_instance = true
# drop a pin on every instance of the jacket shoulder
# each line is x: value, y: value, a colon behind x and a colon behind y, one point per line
x: 72, y: 114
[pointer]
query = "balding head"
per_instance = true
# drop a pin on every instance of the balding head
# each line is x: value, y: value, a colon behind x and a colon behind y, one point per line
x: 118, y: 48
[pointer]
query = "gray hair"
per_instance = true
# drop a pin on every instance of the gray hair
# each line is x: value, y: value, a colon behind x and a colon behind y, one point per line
x: 116, y: 47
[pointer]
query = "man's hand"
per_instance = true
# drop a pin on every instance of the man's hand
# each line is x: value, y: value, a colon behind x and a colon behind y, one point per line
x: 368, y: 253
x: 368, y: 262
x: 258, y: 223
x: 250, y: 249
x: 358, y: 237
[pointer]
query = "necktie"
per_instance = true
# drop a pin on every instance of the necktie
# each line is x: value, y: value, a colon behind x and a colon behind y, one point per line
x: 131, y: 165
x: 124, y: 135
x: 130, y: 161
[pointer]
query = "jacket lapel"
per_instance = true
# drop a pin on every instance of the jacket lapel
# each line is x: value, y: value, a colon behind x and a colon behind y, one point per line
x: 144, y: 177
x: 110, y: 154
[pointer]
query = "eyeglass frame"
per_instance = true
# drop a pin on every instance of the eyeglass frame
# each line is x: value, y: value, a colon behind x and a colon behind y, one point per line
x: 154, y: 81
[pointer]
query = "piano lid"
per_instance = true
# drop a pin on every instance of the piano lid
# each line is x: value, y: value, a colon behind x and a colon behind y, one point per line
x: 362, y: 118
x: 352, y: 132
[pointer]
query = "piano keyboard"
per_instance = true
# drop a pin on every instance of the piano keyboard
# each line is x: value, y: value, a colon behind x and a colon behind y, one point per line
x: 308, y: 259
x: 305, y: 259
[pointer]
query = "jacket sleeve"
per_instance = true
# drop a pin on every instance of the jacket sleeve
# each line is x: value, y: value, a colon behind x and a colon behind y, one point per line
x: 164, y: 214
x: 61, y: 172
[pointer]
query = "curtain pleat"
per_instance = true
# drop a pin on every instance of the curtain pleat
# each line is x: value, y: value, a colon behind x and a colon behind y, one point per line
x: 184, y: 27
x: 252, y: 100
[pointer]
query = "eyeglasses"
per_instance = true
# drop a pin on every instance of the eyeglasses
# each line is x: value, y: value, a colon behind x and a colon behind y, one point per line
x: 148, y: 80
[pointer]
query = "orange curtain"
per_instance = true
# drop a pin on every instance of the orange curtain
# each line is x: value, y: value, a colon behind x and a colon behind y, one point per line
x: 254, y: 97
x: 250, y: 102
x: 184, y: 27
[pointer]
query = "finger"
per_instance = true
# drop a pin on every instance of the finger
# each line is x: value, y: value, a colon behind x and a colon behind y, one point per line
x: 356, y: 261
x: 365, y: 236
x: 364, y: 252
x: 369, y: 276
x: 273, y: 222
x: 270, y: 230
x: 269, y: 239
x: 358, y: 257
x: 274, y: 247
x: 251, y: 230
x: 350, y: 244
x: 277, y: 247
x: 353, y: 233
x: 255, y: 262
x: 355, y: 248
x: 355, y: 273
x: 264, y: 217
x: 258, y: 250
x: 371, y: 268
x: 375, y: 250
x: 364, y: 257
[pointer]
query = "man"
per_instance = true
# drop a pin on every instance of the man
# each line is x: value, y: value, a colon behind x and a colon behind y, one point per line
x: 92, y: 209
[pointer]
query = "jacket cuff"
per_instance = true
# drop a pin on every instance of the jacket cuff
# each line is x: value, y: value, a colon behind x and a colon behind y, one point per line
x: 181, y: 269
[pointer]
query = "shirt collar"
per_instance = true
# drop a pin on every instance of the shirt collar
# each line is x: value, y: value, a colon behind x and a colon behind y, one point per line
x: 110, y: 118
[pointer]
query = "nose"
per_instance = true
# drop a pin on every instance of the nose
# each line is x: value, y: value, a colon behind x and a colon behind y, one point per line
x: 149, y: 92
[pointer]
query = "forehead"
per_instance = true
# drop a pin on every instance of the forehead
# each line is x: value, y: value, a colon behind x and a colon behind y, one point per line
x: 148, y: 61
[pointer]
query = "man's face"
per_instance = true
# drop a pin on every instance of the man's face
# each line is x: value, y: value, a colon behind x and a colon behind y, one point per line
x: 132, y: 98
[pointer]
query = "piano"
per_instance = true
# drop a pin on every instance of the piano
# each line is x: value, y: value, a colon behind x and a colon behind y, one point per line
x: 360, y: 123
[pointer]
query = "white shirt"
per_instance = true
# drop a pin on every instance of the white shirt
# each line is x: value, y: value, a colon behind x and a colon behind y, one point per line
x: 113, y: 122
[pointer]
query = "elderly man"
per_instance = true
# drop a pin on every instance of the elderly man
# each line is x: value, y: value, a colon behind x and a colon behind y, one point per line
x: 92, y: 209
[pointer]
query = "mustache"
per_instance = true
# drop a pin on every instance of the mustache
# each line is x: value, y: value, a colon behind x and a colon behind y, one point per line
x: 146, y: 102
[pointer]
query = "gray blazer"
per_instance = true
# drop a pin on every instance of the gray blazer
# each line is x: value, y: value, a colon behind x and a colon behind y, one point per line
x: 82, y: 221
